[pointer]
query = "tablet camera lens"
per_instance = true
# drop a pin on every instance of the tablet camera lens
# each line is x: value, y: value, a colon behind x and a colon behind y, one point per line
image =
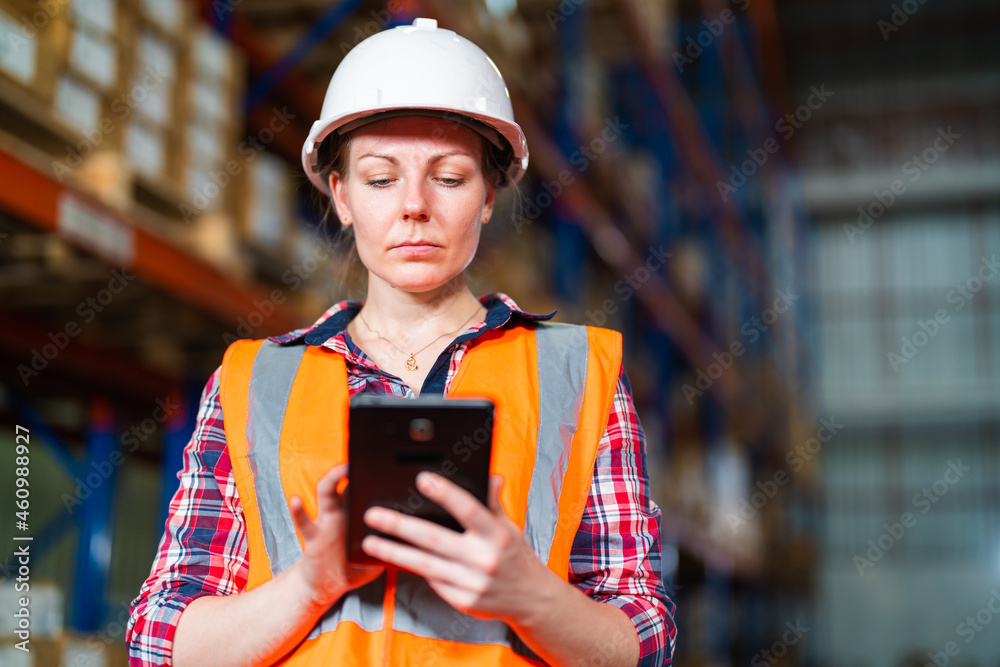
x: 421, y: 429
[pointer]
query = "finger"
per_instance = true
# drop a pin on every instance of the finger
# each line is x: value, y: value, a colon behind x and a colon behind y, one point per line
x: 418, y: 531
x: 327, y: 498
x: 302, y: 520
x: 458, y: 597
x: 423, y: 563
x: 496, y: 482
x: 458, y: 502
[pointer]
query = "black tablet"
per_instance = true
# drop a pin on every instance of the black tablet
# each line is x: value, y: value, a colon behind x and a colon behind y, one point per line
x: 392, y: 439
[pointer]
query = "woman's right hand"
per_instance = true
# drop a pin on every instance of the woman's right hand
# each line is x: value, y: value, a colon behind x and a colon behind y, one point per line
x: 324, y: 559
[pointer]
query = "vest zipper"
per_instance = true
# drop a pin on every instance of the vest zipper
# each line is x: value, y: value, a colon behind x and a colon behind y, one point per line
x: 388, y: 612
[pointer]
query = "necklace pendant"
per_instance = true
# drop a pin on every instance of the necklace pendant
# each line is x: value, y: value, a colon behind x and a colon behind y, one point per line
x: 411, y: 363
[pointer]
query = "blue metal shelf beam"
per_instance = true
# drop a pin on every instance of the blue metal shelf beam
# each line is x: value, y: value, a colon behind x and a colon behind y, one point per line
x: 312, y: 38
x: 93, y: 556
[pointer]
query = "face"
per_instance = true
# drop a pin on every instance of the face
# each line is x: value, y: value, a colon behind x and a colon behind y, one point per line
x: 417, y: 196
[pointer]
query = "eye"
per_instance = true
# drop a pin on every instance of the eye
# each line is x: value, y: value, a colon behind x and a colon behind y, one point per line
x: 378, y: 183
x: 451, y: 182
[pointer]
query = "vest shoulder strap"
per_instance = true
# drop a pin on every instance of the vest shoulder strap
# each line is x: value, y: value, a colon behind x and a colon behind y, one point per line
x: 553, y: 385
x: 287, y: 394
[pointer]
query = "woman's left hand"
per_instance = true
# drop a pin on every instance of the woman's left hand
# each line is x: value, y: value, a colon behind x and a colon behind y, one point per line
x: 489, y: 571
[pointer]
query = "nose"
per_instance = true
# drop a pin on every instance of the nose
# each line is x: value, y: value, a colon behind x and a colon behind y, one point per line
x: 415, y: 203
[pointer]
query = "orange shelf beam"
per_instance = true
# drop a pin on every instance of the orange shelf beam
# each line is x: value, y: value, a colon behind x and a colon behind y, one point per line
x: 33, y: 196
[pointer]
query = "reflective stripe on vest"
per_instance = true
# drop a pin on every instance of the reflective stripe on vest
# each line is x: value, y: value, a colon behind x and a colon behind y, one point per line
x: 562, y: 377
x: 274, y: 370
x: 565, y: 419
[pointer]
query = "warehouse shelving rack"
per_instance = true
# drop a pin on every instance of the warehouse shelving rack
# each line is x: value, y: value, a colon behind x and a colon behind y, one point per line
x: 35, y: 203
x: 732, y: 233
x: 38, y: 198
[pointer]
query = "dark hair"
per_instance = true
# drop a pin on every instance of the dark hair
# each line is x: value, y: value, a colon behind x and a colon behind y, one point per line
x: 333, y: 158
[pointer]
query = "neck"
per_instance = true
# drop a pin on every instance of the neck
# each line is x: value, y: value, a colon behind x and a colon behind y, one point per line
x: 406, y: 316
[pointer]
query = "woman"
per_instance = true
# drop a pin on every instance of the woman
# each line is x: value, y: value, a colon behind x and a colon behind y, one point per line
x: 415, y: 139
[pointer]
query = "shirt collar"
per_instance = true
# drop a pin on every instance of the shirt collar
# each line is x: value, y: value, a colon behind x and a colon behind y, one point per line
x: 500, y: 309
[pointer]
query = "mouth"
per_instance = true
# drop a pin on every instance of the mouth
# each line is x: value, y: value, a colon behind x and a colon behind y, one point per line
x: 415, y: 248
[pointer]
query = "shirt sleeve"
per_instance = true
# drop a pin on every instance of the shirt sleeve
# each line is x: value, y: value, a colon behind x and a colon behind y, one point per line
x: 203, y: 550
x: 616, y: 552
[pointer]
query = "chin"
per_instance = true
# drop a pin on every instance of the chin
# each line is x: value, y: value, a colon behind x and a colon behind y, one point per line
x: 419, y: 281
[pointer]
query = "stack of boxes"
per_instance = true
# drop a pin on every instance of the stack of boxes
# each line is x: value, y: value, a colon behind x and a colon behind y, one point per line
x: 47, y: 644
x: 120, y: 96
x: 90, y: 77
x: 64, y: 55
x: 159, y: 36
x: 211, y: 122
x: 62, y: 62
x: 212, y: 173
x: 269, y: 205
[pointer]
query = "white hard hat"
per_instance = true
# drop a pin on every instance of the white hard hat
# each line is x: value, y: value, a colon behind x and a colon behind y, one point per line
x: 418, y: 69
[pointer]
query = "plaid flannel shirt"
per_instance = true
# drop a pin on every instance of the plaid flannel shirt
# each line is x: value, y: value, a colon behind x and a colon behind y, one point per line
x: 615, y: 556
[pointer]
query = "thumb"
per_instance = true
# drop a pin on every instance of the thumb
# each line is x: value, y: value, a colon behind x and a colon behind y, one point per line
x: 301, y: 518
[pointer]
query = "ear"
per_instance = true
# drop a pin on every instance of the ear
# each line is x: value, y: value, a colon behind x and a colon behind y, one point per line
x: 339, y: 198
x: 491, y: 197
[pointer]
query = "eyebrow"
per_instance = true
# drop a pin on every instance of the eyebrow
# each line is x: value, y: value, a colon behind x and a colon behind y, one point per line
x: 433, y: 159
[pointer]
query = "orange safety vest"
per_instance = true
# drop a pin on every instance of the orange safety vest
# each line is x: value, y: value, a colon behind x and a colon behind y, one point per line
x: 285, y: 409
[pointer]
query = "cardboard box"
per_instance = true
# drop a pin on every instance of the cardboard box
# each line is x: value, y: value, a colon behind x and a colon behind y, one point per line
x: 215, y: 238
x: 173, y: 18
x: 147, y: 149
x: 269, y: 207
x: 79, y: 651
x: 209, y: 101
x: 100, y: 16
x: 215, y: 58
x: 33, y: 42
x: 18, y: 49
x: 77, y: 105
x: 45, y: 607
x: 213, y: 175
x: 11, y: 656
x: 40, y: 653
x: 95, y: 56
x: 155, y: 68
x: 206, y: 144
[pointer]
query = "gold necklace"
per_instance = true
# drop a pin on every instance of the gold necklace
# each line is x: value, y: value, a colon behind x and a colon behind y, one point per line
x: 411, y: 361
